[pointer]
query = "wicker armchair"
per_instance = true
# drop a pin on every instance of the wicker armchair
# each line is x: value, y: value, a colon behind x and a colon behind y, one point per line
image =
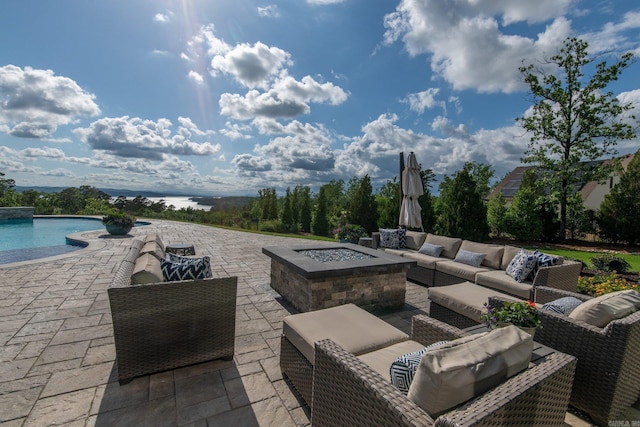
x: 166, y: 325
x: 347, y: 392
x: 607, y: 379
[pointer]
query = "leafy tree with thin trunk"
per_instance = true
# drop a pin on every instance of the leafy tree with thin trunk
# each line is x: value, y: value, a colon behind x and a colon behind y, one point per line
x: 574, y: 120
x: 619, y: 218
x: 388, y: 202
x: 523, y: 220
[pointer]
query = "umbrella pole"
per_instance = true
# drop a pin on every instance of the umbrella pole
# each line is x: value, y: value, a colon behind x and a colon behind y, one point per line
x: 401, y: 169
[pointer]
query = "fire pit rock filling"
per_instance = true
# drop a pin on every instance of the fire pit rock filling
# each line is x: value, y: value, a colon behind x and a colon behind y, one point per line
x: 313, y: 278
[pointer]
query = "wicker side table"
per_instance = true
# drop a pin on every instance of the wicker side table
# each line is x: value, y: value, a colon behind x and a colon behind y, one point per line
x: 180, y: 249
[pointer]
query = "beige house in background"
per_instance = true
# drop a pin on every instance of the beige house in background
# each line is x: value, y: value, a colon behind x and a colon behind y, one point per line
x: 592, y: 192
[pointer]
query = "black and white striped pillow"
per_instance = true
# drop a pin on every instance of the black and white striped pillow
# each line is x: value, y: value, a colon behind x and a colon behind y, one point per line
x: 196, y: 268
x: 404, y: 367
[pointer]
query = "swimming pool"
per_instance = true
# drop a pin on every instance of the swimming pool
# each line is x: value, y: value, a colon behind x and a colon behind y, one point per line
x: 22, y: 240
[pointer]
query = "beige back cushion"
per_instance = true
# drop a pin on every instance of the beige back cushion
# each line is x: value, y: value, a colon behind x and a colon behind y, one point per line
x: 605, y: 308
x: 493, y: 253
x: 146, y: 270
x: 462, y: 370
x: 154, y: 237
x: 451, y: 244
x: 415, y: 239
x: 153, y: 248
x: 507, y: 256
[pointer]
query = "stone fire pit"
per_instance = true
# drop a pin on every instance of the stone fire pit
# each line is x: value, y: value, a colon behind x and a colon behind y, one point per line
x: 313, y: 278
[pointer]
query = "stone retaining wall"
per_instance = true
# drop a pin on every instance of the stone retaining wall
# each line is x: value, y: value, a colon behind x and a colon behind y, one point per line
x: 16, y: 213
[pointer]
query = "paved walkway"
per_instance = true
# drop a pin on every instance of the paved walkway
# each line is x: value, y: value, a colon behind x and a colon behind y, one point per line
x: 58, y: 359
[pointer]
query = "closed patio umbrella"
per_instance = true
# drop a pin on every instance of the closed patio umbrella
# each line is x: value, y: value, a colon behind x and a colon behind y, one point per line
x: 411, y: 189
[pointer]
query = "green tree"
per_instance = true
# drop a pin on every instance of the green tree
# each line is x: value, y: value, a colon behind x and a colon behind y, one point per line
x: 268, y: 204
x: 336, y: 201
x: 388, y: 202
x: 618, y: 216
x: 574, y: 120
x: 362, y: 206
x: 579, y: 220
x: 461, y: 210
x: 71, y: 200
x: 522, y: 219
x: 426, y: 201
x: 6, y: 184
x: 305, y: 209
x: 287, y: 216
x: 481, y: 174
x: 295, y: 206
x: 496, y: 214
x: 320, y: 224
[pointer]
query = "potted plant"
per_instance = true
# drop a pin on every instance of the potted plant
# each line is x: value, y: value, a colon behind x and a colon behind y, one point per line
x: 522, y: 314
x: 349, y: 233
x: 118, y: 223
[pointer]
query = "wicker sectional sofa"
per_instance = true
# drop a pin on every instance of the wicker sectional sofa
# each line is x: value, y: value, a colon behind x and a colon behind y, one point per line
x: 443, y: 270
x: 166, y: 325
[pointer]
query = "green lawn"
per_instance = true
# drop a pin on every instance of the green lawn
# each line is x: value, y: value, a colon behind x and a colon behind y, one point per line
x: 584, y: 256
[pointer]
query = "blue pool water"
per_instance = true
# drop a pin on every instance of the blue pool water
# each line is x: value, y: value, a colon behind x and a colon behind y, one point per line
x: 22, y: 240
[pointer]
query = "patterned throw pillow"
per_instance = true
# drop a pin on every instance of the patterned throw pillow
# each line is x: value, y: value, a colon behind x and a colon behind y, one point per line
x: 521, y: 265
x: 544, y: 260
x: 431, y: 249
x: 402, y: 237
x: 197, y: 268
x: 389, y: 238
x: 404, y: 367
x: 473, y: 259
x: 563, y: 305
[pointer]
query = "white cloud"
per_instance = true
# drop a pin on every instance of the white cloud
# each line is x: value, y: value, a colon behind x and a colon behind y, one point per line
x: 34, y: 102
x: 196, y: 77
x: 162, y: 17
x: 236, y: 131
x: 287, y: 98
x: 421, y: 101
x: 270, y: 11
x: 252, y: 66
x: 468, y: 46
x: 145, y: 139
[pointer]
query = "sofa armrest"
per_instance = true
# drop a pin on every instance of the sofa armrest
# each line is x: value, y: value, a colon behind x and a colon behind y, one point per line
x: 563, y: 276
x: 347, y: 392
x: 545, y: 294
x: 375, y: 239
x: 427, y: 330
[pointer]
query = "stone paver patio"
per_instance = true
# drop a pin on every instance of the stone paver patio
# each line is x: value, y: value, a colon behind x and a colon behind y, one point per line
x: 57, y: 352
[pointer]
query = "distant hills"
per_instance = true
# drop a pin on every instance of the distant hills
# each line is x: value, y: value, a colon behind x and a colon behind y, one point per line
x: 218, y: 203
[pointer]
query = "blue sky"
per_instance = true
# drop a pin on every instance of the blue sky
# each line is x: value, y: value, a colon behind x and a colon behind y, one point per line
x: 228, y: 97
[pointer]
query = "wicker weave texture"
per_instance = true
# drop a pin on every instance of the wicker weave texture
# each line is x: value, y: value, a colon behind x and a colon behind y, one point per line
x: 168, y: 325
x: 346, y: 392
x: 297, y: 368
x: 607, y: 379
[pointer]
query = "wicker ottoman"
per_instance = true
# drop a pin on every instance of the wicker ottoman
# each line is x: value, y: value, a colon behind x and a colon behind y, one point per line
x: 353, y: 328
x: 461, y: 305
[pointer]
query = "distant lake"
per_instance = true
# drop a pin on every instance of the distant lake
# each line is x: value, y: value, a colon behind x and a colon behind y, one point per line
x: 180, y: 202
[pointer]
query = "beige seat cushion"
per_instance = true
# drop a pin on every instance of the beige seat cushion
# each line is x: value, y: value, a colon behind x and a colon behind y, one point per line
x: 501, y: 281
x: 354, y: 329
x: 606, y: 308
x: 153, y: 248
x: 465, y: 298
x: 399, y: 252
x: 459, y: 269
x: 452, y: 374
x: 493, y: 253
x: 146, y: 270
x: 380, y: 360
x: 425, y: 261
x: 451, y: 244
